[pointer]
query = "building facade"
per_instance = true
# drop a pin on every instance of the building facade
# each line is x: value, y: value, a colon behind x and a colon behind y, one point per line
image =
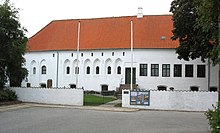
x: 96, y: 54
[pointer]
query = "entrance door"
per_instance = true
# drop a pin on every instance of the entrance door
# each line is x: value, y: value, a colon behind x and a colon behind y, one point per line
x: 128, y: 76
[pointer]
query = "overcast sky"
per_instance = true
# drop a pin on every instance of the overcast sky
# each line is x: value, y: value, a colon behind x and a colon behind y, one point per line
x: 36, y: 14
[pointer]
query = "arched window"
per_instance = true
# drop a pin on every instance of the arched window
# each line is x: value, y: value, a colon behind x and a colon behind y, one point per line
x: 34, y: 70
x: 43, y: 70
x: 97, y: 70
x: 118, y: 70
x: 109, y: 70
x: 88, y: 70
x: 68, y: 70
x: 76, y: 70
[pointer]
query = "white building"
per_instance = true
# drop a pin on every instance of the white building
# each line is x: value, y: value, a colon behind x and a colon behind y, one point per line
x: 104, y: 56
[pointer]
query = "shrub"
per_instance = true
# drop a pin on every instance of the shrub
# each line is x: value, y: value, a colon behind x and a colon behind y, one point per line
x: 7, y: 95
x: 214, y: 118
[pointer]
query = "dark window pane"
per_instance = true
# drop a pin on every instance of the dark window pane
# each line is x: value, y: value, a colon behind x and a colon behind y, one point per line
x: 189, y: 71
x: 154, y: 69
x: 143, y: 69
x: 201, y: 71
x: 166, y: 70
x: 177, y: 70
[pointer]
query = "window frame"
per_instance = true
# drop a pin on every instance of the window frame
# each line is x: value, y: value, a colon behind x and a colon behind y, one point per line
x: 189, y: 72
x: 143, y: 69
x: 88, y: 70
x: 165, y: 70
x: 201, y: 71
x: 119, y: 70
x: 97, y: 70
x: 43, y: 70
x: 109, y: 70
x: 68, y: 70
x: 34, y: 70
x: 177, y: 70
x: 155, y: 70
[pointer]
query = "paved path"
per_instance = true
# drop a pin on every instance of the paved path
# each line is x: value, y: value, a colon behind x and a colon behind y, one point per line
x: 98, y: 108
x: 112, y: 103
x: 30, y: 118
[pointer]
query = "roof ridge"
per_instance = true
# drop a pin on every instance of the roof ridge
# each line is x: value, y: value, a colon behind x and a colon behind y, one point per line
x: 108, y: 17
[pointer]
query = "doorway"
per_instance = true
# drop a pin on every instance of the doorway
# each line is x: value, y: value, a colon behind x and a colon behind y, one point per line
x: 128, y: 76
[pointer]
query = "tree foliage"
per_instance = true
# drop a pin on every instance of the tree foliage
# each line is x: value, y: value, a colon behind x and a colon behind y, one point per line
x: 12, y: 46
x: 195, y: 40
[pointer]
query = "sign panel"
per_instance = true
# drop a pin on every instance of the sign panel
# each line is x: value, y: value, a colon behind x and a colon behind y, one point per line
x: 140, y: 98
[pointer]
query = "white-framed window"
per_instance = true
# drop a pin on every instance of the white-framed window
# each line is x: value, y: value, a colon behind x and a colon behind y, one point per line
x: 43, y: 70
x: 87, y: 70
x: 119, y: 70
x: 67, y: 70
x: 166, y: 70
x: 109, y: 70
x: 34, y: 70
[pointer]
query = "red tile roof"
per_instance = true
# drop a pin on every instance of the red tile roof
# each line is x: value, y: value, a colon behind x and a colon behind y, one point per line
x: 105, y: 33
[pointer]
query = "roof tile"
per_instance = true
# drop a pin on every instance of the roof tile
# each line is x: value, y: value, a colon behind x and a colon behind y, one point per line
x: 105, y: 33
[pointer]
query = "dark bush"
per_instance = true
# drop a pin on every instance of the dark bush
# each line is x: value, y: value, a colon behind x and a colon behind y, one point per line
x: 214, y: 118
x: 7, y: 95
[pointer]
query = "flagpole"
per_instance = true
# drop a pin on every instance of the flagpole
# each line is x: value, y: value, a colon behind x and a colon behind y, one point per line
x: 131, y: 55
x: 77, y: 61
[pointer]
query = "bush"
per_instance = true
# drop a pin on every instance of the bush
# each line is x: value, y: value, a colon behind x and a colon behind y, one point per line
x: 214, y: 118
x: 7, y: 95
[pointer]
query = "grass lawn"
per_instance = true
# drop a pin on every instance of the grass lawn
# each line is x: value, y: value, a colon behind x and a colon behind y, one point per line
x: 93, y: 100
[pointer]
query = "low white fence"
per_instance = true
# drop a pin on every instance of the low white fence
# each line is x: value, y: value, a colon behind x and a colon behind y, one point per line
x: 50, y: 95
x: 173, y: 100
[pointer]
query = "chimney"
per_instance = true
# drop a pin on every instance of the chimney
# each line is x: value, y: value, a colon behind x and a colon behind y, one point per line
x: 140, y: 12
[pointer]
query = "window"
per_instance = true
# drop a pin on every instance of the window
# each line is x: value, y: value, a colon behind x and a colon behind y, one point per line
x: 201, y: 71
x: 72, y: 85
x: 102, y: 54
x: 43, y: 70
x: 113, y: 53
x: 81, y: 54
x: 189, y: 71
x: 43, y: 85
x: 91, y: 54
x: 34, y: 70
x: 104, y: 87
x: 97, y: 70
x: 213, y: 89
x: 118, y: 70
x: 143, y: 69
x: 88, y: 70
x: 109, y: 70
x: 72, y: 54
x: 166, y: 70
x: 68, y: 70
x: 154, y: 69
x: 162, y: 88
x: 123, y: 53
x: 194, y: 88
x: 53, y: 55
x: 177, y: 70
x: 76, y: 70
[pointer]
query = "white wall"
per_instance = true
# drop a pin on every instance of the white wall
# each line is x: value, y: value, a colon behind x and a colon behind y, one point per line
x: 93, y: 81
x: 50, y: 96
x: 175, y: 100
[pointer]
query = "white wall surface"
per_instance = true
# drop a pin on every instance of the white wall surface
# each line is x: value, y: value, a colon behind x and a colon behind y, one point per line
x: 175, y: 100
x: 57, y: 61
x: 50, y: 96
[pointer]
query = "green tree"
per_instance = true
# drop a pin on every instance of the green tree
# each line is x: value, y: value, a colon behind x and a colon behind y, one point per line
x: 194, y: 41
x: 209, y: 20
x: 12, y: 46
